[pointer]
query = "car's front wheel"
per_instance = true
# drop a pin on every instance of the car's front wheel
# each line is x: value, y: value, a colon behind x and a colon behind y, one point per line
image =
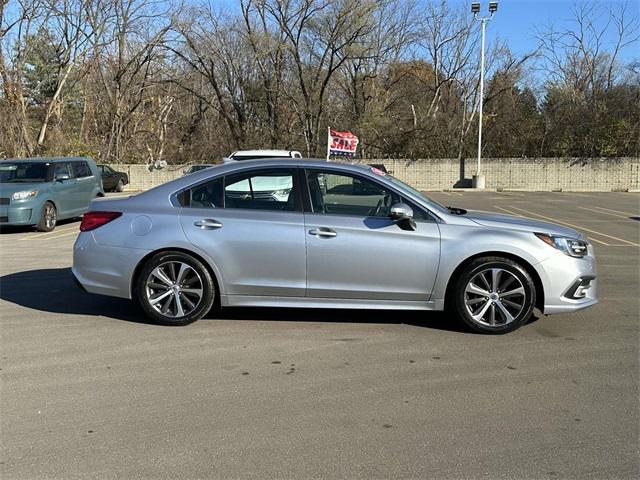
x: 174, y: 288
x: 494, y: 295
x: 119, y: 186
x: 48, y: 218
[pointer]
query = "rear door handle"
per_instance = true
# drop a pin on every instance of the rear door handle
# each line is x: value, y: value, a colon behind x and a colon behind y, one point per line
x: 323, y: 232
x: 208, y: 224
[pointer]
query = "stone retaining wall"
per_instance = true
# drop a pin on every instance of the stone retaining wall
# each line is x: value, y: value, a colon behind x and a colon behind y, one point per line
x: 535, y: 174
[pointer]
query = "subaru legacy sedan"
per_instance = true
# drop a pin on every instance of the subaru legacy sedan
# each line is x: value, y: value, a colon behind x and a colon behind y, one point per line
x: 327, y: 235
x: 41, y: 191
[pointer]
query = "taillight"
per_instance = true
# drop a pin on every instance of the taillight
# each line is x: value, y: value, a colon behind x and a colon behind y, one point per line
x: 93, y: 220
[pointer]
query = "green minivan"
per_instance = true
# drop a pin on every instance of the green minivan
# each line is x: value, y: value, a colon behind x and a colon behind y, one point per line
x: 41, y: 191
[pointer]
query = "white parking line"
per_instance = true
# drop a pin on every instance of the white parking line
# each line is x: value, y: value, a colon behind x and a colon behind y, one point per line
x: 618, y: 211
x: 518, y: 215
x: 511, y: 194
x: 578, y: 227
x: 508, y: 211
x: 74, y: 232
x: 604, y: 213
x: 54, y: 233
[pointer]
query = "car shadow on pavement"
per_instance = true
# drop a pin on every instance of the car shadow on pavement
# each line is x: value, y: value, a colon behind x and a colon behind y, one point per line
x: 417, y: 318
x: 54, y: 290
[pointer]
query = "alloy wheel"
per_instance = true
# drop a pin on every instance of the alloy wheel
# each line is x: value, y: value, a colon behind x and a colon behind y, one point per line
x: 494, y: 297
x: 49, y: 216
x: 174, y: 289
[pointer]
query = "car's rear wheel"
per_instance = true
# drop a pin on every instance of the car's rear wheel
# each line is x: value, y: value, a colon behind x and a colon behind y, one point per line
x: 494, y: 295
x: 119, y: 186
x: 48, y: 218
x: 174, y: 288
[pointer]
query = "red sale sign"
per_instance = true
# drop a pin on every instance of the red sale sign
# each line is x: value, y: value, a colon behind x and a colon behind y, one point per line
x: 341, y: 143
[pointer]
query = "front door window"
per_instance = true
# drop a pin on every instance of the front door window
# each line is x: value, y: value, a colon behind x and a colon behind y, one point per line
x: 343, y: 194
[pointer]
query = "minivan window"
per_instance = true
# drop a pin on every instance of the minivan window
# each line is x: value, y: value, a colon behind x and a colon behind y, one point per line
x: 62, y: 169
x: 25, y: 172
x: 81, y: 170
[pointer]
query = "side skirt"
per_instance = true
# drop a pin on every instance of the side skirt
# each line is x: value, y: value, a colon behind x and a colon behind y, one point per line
x: 307, y: 302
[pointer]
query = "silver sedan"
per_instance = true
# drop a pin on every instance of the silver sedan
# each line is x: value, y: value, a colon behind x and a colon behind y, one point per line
x: 302, y: 233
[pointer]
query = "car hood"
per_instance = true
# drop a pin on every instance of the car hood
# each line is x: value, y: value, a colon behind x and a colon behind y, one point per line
x: 8, y: 189
x: 498, y: 220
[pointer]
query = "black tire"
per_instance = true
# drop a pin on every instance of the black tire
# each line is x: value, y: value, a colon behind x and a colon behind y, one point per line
x: 48, y: 218
x: 464, y: 301
x: 119, y: 186
x: 143, y: 295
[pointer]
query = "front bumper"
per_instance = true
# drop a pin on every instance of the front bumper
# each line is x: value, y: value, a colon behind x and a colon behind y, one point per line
x: 570, y: 284
x: 21, y: 212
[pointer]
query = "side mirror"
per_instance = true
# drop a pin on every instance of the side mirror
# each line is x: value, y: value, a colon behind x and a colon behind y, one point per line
x: 62, y: 176
x: 404, y: 215
x: 400, y: 211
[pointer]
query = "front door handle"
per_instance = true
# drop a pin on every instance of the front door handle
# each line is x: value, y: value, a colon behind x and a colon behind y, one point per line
x: 323, y: 232
x: 208, y: 224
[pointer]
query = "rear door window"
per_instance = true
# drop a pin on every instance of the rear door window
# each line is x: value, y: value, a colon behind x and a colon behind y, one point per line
x: 264, y: 189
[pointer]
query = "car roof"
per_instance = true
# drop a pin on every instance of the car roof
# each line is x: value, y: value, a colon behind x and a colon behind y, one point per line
x: 232, y: 167
x: 168, y: 189
x: 45, y: 159
x: 274, y: 153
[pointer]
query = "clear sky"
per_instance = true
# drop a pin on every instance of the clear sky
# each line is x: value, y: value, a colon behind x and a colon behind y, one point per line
x: 517, y: 20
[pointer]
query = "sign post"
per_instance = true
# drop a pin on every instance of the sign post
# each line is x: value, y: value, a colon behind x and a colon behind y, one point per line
x: 328, y: 142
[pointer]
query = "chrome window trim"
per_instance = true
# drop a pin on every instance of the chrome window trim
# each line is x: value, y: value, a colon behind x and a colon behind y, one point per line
x: 173, y: 197
x: 300, y: 165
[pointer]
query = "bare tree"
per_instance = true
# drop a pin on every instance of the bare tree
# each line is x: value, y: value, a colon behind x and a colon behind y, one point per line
x: 319, y: 36
x: 269, y: 49
x: 78, y: 25
x: 215, y: 52
x: 13, y: 32
x: 579, y: 56
x: 389, y: 41
x: 135, y: 31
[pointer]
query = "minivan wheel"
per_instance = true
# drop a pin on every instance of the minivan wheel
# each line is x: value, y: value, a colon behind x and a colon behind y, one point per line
x: 494, y: 295
x: 48, y: 218
x: 174, y: 288
x: 119, y: 186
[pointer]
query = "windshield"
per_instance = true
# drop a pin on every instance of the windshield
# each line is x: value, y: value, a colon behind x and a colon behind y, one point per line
x: 420, y: 195
x: 23, y: 172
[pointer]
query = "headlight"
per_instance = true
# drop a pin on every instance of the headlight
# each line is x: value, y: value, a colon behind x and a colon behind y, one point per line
x: 571, y: 246
x: 24, y: 195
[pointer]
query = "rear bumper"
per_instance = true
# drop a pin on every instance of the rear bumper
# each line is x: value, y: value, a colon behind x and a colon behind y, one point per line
x: 104, y: 269
x: 77, y: 282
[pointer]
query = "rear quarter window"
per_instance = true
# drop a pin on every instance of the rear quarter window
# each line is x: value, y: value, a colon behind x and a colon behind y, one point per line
x: 204, y: 195
x: 81, y: 170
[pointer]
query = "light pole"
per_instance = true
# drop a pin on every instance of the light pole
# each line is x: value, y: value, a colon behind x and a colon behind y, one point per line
x: 478, y: 178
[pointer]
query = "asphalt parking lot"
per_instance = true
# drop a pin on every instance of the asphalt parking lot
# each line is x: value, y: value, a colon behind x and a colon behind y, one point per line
x: 90, y: 390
